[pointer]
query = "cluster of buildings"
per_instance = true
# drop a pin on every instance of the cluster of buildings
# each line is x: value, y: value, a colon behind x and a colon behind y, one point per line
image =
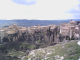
x: 12, y: 29
x: 32, y: 29
x: 70, y: 29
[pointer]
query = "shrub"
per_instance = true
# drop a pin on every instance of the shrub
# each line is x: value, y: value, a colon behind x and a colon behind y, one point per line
x: 5, y: 39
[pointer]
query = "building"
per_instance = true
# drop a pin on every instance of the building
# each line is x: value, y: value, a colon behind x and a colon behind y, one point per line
x: 64, y: 31
x: 72, y: 23
x: 64, y: 24
x: 70, y: 29
x: 79, y: 30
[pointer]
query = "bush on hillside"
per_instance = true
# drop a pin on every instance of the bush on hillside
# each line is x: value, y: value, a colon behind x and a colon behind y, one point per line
x: 5, y: 39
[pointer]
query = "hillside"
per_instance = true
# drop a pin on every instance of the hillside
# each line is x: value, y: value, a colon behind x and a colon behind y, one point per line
x: 28, y: 23
x: 64, y: 51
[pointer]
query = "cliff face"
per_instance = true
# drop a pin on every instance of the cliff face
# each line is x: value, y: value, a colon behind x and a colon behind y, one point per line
x: 65, y: 51
x: 35, y: 34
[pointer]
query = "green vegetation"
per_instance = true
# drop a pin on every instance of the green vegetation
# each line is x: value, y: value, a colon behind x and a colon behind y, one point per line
x: 14, y: 49
x: 65, y: 51
x: 18, y: 46
x: 42, y: 33
x: 72, y: 38
x: 16, y: 53
x: 8, y: 58
x: 5, y: 39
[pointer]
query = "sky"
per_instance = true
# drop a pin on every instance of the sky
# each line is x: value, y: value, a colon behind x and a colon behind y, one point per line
x: 39, y: 9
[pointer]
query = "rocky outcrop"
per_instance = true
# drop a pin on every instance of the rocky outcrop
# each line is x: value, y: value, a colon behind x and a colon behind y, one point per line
x: 64, y: 51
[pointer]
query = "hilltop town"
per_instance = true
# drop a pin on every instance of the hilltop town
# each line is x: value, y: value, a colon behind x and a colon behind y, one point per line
x: 50, y: 33
x: 18, y: 42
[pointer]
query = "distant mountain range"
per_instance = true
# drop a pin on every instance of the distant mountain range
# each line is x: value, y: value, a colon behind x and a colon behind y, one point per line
x: 28, y: 23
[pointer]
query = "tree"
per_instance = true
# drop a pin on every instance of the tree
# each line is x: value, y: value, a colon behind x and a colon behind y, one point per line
x: 72, y: 38
x: 5, y: 39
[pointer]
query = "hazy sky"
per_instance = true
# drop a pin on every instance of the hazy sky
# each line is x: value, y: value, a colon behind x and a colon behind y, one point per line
x: 40, y: 9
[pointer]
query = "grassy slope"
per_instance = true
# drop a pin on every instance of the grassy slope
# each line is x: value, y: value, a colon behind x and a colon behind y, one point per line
x: 66, y: 51
x: 13, y: 50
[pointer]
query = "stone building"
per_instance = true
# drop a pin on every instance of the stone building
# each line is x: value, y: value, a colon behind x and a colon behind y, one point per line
x: 70, y: 29
x: 76, y: 33
x: 79, y: 30
x: 22, y: 30
x: 72, y: 23
x: 64, y: 30
x: 64, y: 24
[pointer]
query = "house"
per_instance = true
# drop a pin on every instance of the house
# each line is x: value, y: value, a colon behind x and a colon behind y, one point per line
x: 64, y: 30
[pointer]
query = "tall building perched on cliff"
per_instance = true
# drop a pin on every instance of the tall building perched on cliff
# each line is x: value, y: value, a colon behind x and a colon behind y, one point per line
x: 72, y: 24
x: 71, y: 29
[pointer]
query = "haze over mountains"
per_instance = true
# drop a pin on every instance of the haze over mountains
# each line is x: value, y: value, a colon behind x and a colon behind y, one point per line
x: 28, y: 23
